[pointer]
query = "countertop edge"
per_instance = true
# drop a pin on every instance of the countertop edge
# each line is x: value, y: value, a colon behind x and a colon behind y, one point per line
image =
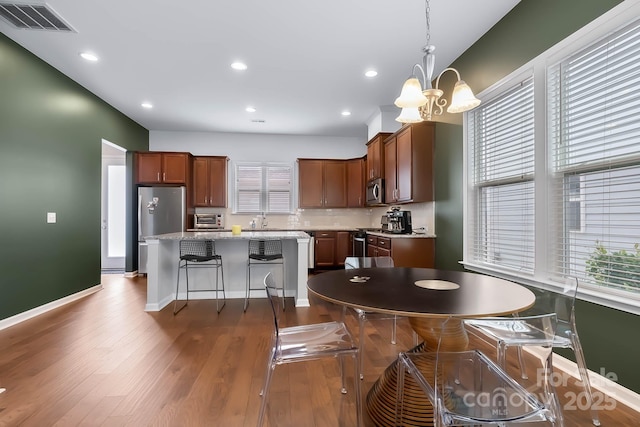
x: 227, y: 235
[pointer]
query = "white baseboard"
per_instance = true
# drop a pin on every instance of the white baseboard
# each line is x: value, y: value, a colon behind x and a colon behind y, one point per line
x: 131, y: 274
x: 160, y: 305
x: 209, y: 295
x: 598, y: 382
x: 21, y: 317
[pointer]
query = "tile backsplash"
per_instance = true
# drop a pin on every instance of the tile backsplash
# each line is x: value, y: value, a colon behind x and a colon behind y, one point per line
x: 422, y: 215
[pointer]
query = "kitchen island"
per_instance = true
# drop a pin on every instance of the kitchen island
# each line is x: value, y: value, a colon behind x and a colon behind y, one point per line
x: 163, y: 255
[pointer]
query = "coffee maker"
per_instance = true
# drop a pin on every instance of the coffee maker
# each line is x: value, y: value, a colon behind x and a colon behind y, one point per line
x: 396, y: 221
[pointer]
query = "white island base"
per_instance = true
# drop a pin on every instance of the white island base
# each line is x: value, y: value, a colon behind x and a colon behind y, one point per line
x: 163, y: 256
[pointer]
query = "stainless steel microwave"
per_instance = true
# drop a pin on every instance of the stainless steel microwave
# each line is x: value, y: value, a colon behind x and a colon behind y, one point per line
x: 375, y: 192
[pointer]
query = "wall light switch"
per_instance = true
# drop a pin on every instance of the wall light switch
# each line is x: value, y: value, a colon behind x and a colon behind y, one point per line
x: 51, y: 217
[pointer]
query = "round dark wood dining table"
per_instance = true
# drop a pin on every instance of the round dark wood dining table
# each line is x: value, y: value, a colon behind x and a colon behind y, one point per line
x: 427, y: 297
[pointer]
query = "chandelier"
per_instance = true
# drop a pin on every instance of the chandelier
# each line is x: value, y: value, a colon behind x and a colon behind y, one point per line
x: 422, y: 104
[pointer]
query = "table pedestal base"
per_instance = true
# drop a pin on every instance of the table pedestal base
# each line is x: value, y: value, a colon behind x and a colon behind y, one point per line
x: 381, y: 399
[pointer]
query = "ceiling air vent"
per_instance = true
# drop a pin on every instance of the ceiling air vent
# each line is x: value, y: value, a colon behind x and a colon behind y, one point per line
x: 35, y: 16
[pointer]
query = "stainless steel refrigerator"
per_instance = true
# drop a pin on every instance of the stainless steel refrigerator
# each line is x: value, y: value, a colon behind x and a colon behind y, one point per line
x: 160, y: 210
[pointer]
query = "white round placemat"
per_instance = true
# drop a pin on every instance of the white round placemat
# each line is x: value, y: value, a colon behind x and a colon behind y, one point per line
x: 438, y: 285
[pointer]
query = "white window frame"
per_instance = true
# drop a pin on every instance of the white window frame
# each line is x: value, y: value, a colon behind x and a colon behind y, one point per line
x: 610, y: 22
x: 517, y: 174
x: 264, y: 189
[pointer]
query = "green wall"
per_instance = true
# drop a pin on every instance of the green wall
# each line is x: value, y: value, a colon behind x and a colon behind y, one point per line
x: 50, y: 161
x: 448, y: 207
x: 532, y: 27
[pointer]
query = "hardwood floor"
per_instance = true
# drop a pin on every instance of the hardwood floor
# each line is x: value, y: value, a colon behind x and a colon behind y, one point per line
x: 103, y: 361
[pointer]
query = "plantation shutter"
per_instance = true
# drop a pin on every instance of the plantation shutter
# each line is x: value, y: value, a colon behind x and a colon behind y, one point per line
x: 279, y: 192
x: 248, y: 188
x: 263, y: 188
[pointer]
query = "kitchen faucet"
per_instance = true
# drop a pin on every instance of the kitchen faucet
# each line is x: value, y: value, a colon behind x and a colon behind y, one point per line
x: 263, y: 220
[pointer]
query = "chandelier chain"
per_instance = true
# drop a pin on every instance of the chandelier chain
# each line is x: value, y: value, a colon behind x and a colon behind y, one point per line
x: 427, y: 10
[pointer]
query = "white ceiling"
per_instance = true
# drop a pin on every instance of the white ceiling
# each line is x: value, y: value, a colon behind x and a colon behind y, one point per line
x: 306, y: 59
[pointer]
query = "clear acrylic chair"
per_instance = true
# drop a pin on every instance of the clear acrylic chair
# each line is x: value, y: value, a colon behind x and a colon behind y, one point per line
x: 308, y: 342
x: 362, y: 315
x: 466, y: 388
x: 512, y: 331
x: 199, y: 254
x: 264, y: 252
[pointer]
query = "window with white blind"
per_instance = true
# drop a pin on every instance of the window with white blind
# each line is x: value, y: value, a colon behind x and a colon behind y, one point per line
x: 553, y: 167
x: 263, y: 188
x: 594, y: 135
x: 501, y: 191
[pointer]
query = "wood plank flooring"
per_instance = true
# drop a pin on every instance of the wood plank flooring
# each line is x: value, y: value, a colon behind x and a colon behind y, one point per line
x: 103, y: 361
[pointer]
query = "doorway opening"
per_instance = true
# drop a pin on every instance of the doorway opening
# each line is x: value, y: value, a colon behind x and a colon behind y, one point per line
x: 113, y: 216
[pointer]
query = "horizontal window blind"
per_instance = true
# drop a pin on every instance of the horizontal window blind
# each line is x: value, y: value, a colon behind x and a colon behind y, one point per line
x: 500, y: 135
x: 263, y: 188
x: 594, y: 135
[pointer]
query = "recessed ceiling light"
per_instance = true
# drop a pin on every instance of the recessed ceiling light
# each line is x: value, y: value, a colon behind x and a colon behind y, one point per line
x: 346, y: 113
x: 371, y: 73
x: 89, y: 56
x: 250, y: 110
x: 147, y: 105
x: 240, y: 66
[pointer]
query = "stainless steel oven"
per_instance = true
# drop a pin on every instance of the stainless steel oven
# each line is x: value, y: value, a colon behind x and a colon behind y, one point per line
x: 360, y: 243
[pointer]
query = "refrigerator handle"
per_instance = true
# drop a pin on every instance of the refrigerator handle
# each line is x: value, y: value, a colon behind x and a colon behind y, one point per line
x: 139, y: 215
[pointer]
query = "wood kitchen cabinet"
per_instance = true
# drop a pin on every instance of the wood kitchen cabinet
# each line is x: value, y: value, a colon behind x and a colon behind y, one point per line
x: 331, y: 248
x: 409, y: 164
x: 210, y: 181
x: 405, y: 251
x: 390, y: 170
x: 375, y: 156
x: 322, y: 183
x: 162, y: 168
x: 378, y: 246
x: 343, y: 247
x: 325, y: 249
x: 355, y: 183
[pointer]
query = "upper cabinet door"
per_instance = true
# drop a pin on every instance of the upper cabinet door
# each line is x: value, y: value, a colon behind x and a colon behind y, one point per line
x: 210, y: 181
x: 175, y: 167
x: 200, y: 181
x: 404, y: 166
x: 355, y: 183
x: 217, y: 182
x: 375, y: 156
x: 335, y: 184
x: 149, y: 168
x: 310, y: 183
x: 390, y: 171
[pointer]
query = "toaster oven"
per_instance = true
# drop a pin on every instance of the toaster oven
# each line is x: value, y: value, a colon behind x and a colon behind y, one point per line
x: 208, y: 221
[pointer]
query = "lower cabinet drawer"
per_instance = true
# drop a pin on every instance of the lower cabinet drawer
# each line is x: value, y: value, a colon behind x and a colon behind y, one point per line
x: 384, y: 242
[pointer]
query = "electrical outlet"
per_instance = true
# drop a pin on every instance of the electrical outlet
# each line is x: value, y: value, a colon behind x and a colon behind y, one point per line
x: 51, y: 217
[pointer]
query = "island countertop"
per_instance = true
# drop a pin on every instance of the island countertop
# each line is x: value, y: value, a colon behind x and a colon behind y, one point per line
x: 227, y: 235
x: 164, y: 253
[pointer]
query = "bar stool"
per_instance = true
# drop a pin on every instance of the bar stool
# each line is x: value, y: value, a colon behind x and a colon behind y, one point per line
x: 263, y: 252
x: 199, y: 254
